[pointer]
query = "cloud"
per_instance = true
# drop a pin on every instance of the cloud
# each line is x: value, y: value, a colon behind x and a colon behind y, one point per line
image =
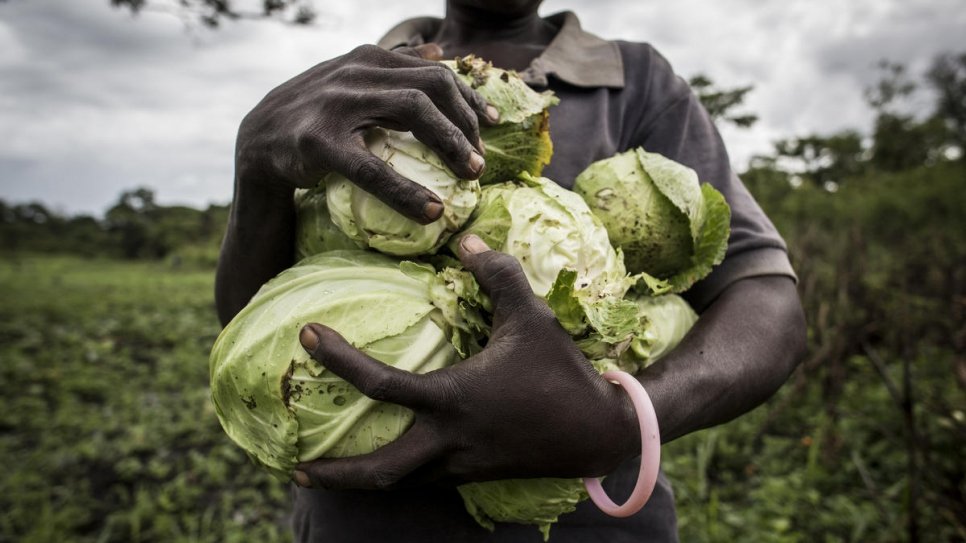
x: 94, y: 101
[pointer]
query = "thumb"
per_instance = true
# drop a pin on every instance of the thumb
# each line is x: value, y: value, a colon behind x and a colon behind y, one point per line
x: 499, y: 275
x: 426, y: 51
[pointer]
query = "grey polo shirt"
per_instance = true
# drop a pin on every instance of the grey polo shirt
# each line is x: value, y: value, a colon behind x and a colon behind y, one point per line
x: 614, y: 96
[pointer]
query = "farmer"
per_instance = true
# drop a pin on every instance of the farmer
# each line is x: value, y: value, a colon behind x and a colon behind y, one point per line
x: 530, y: 405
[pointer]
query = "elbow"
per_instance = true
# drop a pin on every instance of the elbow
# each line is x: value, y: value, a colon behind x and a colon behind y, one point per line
x: 790, y: 320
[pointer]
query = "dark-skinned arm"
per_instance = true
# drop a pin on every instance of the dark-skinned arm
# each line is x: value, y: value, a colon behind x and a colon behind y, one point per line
x: 742, y: 349
x: 259, y: 242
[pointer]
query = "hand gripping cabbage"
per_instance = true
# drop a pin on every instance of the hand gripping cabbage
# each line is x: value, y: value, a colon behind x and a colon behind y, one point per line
x: 283, y: 407
x: 370, y: 222
x: 666, y: 319
x: 521, y: 140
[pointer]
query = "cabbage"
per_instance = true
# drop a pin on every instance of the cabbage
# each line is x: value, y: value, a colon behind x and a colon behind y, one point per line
x: 547, y: 228
x: 314, y: 230
x: 283, y: 407
x: 668, y: 320
x: 672, y: 229
x: 521, y: 140
x: 367, y: 220
x: 526, y: 501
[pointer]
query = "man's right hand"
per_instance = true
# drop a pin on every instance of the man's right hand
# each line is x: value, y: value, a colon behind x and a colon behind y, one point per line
x: 314, y: 124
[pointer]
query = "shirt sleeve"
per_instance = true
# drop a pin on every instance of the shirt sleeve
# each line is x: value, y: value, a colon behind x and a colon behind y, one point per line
x: 670, y: 120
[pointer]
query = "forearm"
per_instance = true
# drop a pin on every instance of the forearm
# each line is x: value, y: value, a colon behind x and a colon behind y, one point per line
x: 742, y: 349
x: 258, y: 243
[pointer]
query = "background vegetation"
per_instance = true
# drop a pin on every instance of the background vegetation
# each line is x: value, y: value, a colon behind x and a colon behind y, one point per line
x: 105, y: 325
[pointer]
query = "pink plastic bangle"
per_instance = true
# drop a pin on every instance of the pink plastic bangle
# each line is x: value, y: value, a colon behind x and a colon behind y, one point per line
x: 650, y: 452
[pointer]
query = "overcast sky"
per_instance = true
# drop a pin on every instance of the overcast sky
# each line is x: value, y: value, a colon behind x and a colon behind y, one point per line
x: 93, y: 101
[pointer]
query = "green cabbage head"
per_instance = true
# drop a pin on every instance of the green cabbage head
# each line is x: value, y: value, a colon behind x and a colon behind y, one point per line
x: 670, y: 227
x: 521, y: 140
x: 314, y: 230
x: 283, y: 407
x: 367, y: 220
x: 547, y: 228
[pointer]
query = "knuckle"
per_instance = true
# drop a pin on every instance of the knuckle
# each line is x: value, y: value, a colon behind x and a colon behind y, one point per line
x: 504, y: 266
x: 381, y: 388
x: 441, y: 77
x: 363, y: 169
x: 416, y: 102
x: 365, y: 50
x: 471, y: 122
x: 308, y: 142
x: 455, y: 140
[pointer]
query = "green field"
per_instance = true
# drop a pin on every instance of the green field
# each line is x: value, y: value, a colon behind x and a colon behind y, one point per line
x: 108, y: 433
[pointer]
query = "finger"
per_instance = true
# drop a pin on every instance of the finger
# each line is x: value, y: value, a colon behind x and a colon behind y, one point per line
x: 425, y: 51
x: 481, y: 108
x: 413, y: 110
x: 489, y: 114
x: 379, y: 179
x: 499, y: 275
x: 382, y: 469
x: 443, y: 88
x: 373, y: 378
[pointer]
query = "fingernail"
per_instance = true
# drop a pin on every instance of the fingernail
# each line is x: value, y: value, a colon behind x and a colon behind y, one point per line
x: 301, y: 479
x: 492, y: 114
x: 477, y: 164
x: 429, y: 51
x: 481, y: 146
x: 473, y: 244
x: 432, y: 210
x: 309, y: 339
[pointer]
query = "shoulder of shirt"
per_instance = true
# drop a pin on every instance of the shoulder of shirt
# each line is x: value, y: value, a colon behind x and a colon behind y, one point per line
x: 404, y: 32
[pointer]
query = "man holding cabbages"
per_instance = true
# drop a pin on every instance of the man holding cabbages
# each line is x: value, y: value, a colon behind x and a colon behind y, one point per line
x: 529, y: 405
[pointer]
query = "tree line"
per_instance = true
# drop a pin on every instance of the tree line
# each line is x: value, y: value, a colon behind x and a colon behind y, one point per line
x: 135, y: 227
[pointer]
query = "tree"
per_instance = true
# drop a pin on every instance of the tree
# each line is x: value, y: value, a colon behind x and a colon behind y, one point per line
x: 132, y: 221
x: 720, y: 103
x: 947, y: 76
x: 901, y: 139
x: 825, y: 160
x: 211, y: 13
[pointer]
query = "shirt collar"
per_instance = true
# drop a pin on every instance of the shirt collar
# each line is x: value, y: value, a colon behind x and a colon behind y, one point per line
x: 574, y: 56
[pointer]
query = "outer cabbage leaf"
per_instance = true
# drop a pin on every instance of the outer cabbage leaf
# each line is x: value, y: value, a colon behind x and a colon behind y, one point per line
x: 667, y: 320
x: 603, y: 326
x: 281, y: 406
x: 314, y: 230
x: 521, y: 140
x: 366, y: 219
x: 672, y: 229
x: 534, y: 501
x: 550, y: 228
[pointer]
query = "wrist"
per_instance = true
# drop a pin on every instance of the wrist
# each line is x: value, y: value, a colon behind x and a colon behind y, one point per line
x: 253, y: 179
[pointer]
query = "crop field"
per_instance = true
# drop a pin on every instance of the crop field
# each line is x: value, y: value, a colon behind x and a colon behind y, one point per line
x: 107, y: 432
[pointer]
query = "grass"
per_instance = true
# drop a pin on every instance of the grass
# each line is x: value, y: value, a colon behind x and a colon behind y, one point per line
x: 107, y: 432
